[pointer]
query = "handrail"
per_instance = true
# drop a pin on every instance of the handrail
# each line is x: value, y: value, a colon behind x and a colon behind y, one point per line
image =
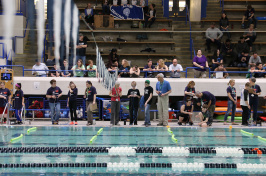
x: 222, y: 5
x: 191, y: 43
x: 3, y: 50
x: 15, y: 66
x: 198, y: 67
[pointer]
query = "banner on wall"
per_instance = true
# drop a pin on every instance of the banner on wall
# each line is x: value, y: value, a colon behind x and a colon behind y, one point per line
x: 127, y: 12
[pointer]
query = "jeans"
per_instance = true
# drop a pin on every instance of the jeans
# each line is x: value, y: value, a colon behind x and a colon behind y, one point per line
x: 18, y: 113
x: 242, y: 64
x: 89, y: 112
x: 254, y: 102
x: 115, y: 111
x: 231, y: 106
x: 217, y: 42
x: 147, y: 21
x: 252, y: 20
x: 133, y: 111
x: 147, y: 115
x: 73, y: 109
x: 83, y: 58
x: 55, y: 111
x: 227, y: 32
x: 245, y: 115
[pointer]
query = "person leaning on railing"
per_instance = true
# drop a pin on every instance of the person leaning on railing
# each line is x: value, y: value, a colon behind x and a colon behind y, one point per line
x: 221, y: 68
x: 39, y: 69
x: 92, y: 69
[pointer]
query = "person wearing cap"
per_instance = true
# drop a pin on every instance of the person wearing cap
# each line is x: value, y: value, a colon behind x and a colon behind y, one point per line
x: 115, y: 95
x: 148, y: 93
x: 90, y: 95
x: 40, y: 69
x: 19, y: 102
x: 112, y: 58
x: 163, y: 89
x: 81, y: 48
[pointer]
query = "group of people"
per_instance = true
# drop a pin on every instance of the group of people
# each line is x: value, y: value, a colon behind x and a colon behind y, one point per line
x: 201, y: 64
x: 238, y: 58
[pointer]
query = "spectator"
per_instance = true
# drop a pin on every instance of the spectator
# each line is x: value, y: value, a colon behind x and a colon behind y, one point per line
x: 259, y: 71
x: 250, y: 16
x: 78, y: 69
x: 254, y: 99
x: 144, y: 5
x: 217, y: 59
x: 208, y: 99
x: 148, y: 93
x: 228, y: 50
x: 92, y: 69
x: 250, y: 36
x: 105, y: 7
x: 205, y: 117
x: 89, y: 17
x: 115, y: 95
x: 149, y: 68
x: 53, y: 94
x: 190, y: 91
x: 241, y: 46
x: 124, y: 67
x: 162, y: 67
x: 124, y: 2
x: 252, y: 71
x: 72, y: 102
x: 150, y: 16
x: 232, y: 101
x: 81, y: 48
x: 213, y: 35
x: 134, y: 95
x: 90, y: 95
x: 244, y: 102
x: 200, y: 61
x: 221, y: 68
x: 163, y: 89
x: 254, y: 59
x: 65, y: 69
x: 113, y: 68
x: 175, y: 69
x: 55, y: 71
x: 112, y: 57
x: 134, y: 72
x: 224, y: 25
x: 186, y: 112
x: 5, y: 97
x: 134, y: 2
x: 243, y: 60
x: 39, y: 69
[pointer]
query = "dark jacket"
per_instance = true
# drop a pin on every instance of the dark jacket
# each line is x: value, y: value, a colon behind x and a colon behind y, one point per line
x: 224, y: 22
x: 225, y: 47
x: 240, y: 47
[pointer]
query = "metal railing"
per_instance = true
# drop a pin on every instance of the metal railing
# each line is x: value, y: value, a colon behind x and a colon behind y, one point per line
x: 14, y: 66
x: 3, y: 50
x: 198, y: 67
x: 222, y: 5
x: 191, y: 44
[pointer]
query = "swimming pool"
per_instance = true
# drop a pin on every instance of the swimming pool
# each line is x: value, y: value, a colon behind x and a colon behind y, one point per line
x: 144, y: 150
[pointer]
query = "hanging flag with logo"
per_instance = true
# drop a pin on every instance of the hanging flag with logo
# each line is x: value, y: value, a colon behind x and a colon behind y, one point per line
x: 127, y: 12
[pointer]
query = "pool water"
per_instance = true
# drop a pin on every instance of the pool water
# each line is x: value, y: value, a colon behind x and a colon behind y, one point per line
x: 128, y: 137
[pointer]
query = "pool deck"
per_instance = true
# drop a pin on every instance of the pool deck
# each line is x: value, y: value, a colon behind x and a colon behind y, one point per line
x: 140, y: 124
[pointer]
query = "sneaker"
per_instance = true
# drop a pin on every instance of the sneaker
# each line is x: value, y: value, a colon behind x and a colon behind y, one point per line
x: 159, y: 124
x: 146, y: 125
x: 190, y: 123
x: 88, y: 124
x: 76, y: 123
x: 165, y: 124
x: 117, y: 124
x: 136, y: 124
x: 71, y: 123
x: 179, y: 123
x: 233, y: 123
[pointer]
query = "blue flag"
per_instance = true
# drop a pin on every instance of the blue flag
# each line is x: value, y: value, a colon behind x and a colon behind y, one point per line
x: 127, y: 12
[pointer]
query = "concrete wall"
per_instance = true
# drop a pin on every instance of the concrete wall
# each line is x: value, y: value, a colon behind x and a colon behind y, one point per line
x: 216, y: 86
x: 195, y: 10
